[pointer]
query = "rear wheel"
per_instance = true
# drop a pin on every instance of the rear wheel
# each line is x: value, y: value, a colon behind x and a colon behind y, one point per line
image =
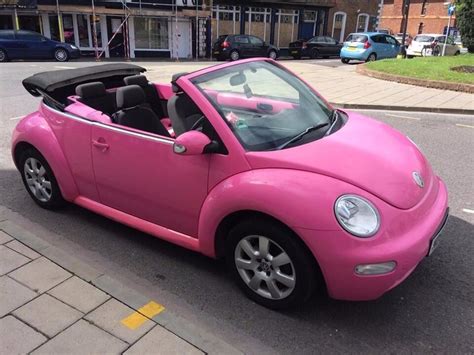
x: 270, y: 264
x: 297, y: 56
x: 314, y: 53
x: 61, y: 55
x: 372, y: 57
x: 39, y: 179
x: 457, y: 53
x: 3, y: 56
x: 234, y: 55
x: 272, y: 54
x: 345, y: 60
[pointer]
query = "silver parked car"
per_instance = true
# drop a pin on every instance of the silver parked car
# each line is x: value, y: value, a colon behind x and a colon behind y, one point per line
x: 431, y: 44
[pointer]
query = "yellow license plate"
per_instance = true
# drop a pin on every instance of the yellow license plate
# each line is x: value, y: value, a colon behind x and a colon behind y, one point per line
x: 352, y: 48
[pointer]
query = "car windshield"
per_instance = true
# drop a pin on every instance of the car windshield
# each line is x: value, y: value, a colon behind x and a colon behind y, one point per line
x: 424, y: 39
x: 265, y: 106
x: 356, y: 38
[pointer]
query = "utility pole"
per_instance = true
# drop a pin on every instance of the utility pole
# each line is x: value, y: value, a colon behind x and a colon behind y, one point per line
x: 94, y: 29
x: 406, y: 10
x: 197, y: 29
x: 60, y: 23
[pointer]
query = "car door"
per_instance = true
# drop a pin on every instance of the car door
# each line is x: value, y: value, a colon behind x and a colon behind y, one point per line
x: 379, y: 45
x: 242, y: 43
x: 259, y: 49
x: 333, y: 47
x: 392, y: 47
x: 138, y: 173
x: 451, y: 48
x: 35, y: 45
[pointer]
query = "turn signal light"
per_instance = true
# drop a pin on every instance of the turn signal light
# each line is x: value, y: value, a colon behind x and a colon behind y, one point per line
x: 367, y: 45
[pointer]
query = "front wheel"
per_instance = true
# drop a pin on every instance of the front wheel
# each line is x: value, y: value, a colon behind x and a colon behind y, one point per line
x: 61, y: 55
x: 314, y: 53
x: 39, y: 180
x: 272, y: 54
x: 345, y: 60
x: 270, y: 264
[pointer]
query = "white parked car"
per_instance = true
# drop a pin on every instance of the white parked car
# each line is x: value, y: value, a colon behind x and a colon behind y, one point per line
x: 431, y: 44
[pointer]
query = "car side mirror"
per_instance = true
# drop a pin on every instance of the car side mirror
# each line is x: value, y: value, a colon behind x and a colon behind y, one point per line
x: 191, y: 143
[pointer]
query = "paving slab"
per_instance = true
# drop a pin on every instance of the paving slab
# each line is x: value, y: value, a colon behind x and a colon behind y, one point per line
x: 40, y: 275
x: 48, y: 315
x: 17, y: 337
x: 10, y: 260
x: 22, y: 249
x: 159, y: 341
x: 13, y: 295
x: 4, y: 237
x: 83, y: 338
x: 79, y: 294
x: 109, y: 317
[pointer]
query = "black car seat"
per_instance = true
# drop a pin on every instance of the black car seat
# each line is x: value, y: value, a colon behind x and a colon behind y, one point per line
x: 94, y: 95
x: 135, y: 113
x: 182, y: 110
x: 152, y: 97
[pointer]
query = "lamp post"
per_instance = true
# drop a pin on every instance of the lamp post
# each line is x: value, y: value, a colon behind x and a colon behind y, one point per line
x: 451, y: 9
x: 60, y: 23
x: 406, y: 10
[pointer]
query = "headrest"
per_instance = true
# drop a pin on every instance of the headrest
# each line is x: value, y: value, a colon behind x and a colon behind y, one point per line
x: 130, y: 96
x: 88, y: 90
x: 139, y: 80
x: 174, y: 78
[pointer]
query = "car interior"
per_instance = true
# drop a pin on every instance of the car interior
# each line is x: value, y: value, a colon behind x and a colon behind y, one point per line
x: 139, y: 104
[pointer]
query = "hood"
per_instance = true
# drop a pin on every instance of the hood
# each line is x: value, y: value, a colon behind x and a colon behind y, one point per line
x: 365, y: 153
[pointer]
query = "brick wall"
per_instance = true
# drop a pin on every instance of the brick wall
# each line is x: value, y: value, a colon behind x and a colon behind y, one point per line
x: 352, y: 9
x: 434, y: 19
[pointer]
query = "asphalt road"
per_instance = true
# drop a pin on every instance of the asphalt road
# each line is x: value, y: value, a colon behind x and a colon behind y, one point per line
x: 432, y: 311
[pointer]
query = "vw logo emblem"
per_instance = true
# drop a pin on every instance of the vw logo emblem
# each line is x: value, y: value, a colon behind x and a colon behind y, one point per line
x: 418, y: 179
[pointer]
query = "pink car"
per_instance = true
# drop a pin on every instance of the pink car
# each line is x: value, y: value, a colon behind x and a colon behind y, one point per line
x: 241, y: 160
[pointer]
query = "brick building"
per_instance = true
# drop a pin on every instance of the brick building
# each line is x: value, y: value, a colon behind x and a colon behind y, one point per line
x: 425, y: 16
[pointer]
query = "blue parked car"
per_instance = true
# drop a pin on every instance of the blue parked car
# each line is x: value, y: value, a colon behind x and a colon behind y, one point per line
x: 32, y: 45
x: 369, y: 46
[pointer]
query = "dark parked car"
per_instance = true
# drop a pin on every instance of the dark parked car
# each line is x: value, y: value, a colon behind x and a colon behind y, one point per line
x: 234, y: 47
x: 319, y: 46
x: 32, y: 45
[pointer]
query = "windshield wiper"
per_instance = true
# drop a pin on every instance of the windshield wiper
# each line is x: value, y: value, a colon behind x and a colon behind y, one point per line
x: 300, y: 135
x: 335, y: 116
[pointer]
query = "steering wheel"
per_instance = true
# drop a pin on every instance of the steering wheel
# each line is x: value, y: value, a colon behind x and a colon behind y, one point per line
x: 197, y: 123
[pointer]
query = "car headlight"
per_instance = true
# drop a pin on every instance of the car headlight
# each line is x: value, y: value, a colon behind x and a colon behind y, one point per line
x: 357, y: 215
x: 73, y: 46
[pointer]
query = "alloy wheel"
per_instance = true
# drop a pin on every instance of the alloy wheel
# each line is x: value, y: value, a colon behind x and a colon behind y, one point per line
x: 265, y: 267
x: 272, y: 55
x: 37, y: 179
x: 60, y: 55
x: 234, y: 55
x: 3, y: 56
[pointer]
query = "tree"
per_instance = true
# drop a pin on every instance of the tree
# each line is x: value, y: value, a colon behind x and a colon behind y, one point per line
x: 465, y: 22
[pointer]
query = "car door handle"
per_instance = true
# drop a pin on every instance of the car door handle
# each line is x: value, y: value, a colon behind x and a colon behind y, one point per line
x: 100, y: 144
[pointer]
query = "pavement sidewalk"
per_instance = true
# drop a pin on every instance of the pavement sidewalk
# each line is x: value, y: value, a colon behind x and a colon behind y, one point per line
x: 51, y: 303
x: 344, y: 87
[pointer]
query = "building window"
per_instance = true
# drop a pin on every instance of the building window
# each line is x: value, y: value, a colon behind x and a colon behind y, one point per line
x: 83, y: 30
x: 30, y: 23
x: 420, y: 28
x: 54, y: 27
x: 309, y: 16
x: 151, y: 33
x: 423, y: 7
x: 362, y: 23
x: 96, y: 20
x: 6, y: 22
x: 339, y: 26
x: 68, y: 26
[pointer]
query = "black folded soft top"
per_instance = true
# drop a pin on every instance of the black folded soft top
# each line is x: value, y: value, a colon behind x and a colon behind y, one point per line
x: 58, y: 84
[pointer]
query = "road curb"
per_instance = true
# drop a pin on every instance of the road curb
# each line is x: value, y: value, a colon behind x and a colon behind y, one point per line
x: 435, y: 84
x: 177, y: 325
x: 454, y: 111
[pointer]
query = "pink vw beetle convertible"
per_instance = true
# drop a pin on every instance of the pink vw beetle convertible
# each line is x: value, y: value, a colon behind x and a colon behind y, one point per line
x: 241, y: 160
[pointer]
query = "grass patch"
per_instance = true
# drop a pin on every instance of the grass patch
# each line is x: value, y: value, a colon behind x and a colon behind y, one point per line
x: 431, y: 68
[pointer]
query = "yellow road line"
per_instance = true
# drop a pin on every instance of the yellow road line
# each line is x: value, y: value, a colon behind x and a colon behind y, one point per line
x: 464, y: 125
x: 136, y: 319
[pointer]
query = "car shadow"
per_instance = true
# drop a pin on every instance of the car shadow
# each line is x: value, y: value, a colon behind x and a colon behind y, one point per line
x: 417, y: 315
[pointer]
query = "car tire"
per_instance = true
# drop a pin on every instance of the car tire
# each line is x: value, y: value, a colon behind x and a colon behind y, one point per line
x: 296, y: 57
x: 372, y: 57
x: 3, y: 55
x: 345, y: 60
x: 234, y: 55
x: 457, y: 53
x: 61, y: 55
x: 39, y: 180
x: 314, y: 53
x: 272, y: 54
x: 261, y: 281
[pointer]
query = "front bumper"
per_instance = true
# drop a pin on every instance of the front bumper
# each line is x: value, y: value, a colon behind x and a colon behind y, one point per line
x: 74, y: 53
x: 405, y: 240
x: 413, y: 53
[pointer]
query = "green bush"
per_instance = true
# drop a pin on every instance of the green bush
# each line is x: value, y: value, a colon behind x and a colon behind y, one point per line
x: 465, y: 22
